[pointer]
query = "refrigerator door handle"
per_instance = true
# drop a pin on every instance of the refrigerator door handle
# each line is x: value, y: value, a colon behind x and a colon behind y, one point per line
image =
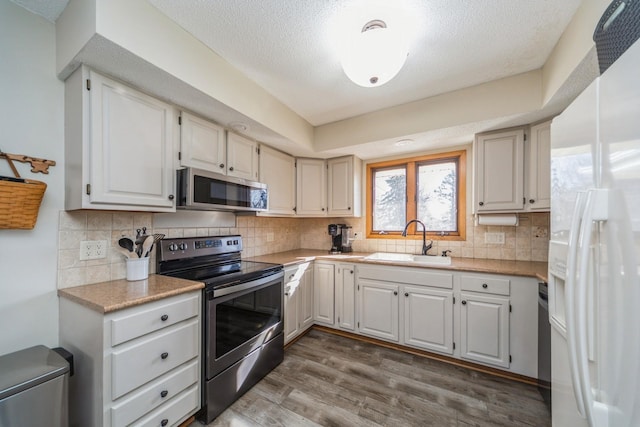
x: 570, y: 300
x: 596, y: 209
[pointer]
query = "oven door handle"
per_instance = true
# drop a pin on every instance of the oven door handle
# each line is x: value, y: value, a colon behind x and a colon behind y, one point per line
x: 247, y: 285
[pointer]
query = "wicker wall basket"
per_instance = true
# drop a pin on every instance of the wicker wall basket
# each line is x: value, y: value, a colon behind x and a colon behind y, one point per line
x: 20, y: 198
x: 20, y: 202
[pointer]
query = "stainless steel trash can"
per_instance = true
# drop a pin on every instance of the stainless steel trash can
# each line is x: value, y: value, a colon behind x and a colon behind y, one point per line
x: 34, y: 388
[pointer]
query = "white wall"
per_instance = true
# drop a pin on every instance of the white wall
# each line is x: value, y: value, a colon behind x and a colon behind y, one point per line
x: 31, y: 117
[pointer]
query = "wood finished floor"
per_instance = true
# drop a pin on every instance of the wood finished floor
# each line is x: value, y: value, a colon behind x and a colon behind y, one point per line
x: 329, y: 380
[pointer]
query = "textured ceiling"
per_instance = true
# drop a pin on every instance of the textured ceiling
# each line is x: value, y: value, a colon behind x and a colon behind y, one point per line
x: 290, y: 47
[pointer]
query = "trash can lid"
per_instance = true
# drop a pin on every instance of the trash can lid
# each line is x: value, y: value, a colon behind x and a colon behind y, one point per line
x: 28, y: 368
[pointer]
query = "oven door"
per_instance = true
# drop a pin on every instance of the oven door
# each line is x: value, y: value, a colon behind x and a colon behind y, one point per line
x: 246, y: 317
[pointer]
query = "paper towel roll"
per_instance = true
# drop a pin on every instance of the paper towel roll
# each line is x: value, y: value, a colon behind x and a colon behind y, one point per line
x: 502, y: 219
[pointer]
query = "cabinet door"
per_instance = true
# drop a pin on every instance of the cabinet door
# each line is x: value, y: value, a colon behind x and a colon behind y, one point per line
x: 323, y: 293
x: 278, y: 171
x: 340, y: 186
x: 484, y: 329
x: 202, y: 144
x: 500, y: 171
x: 378, y: 315
x: 291, y: 303
x: 538, y: 195
x: 242, y: 157
x: 346, y: 297
x: 130, y: 147
x: 428, y: 319
x: 305, y: 304
x: 311, y: 191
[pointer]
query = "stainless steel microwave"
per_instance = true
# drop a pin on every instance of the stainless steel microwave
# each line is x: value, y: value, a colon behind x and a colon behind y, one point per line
x: 203, y: 190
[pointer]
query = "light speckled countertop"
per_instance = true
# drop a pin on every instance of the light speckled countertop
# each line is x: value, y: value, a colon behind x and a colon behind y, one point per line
x: 494, y: 266
x: 115, y: 295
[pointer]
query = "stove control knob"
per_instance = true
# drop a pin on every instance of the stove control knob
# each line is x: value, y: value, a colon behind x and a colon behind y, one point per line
x: 173, y: 247
x: 183, y: 246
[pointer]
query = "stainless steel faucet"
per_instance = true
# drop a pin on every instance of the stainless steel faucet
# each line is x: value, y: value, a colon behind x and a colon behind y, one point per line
x: 425, y: 247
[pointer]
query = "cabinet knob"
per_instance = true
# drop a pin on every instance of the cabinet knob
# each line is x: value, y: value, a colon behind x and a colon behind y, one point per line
x: 164, y: 393
x: 322, y: 209
x: 349, y: 208
x: 351, y: 271
x: 481, y: 203
x: 395, y: 292
x: 231, y: 168
x: 406, y: 294
x: 164, y: 317
x: 532, y: 201
x: 464, y: 302
x: 485, y: 286
x: 221, y: 165
x: 171, y: 196
x: 286, y: 294
x: 164, y: 422
x: 164, y: 355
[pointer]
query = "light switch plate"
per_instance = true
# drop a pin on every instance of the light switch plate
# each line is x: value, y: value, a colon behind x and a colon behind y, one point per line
x: 494, y: 238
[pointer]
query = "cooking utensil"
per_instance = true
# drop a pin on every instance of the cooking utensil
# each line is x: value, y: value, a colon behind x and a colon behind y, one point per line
x: 127, y: 253
x: 126, y: 243
x: 146, y: 246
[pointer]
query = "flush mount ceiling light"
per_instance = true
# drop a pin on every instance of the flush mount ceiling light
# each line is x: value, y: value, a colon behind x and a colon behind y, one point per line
x: 403, y: 142
x: 375, y: 55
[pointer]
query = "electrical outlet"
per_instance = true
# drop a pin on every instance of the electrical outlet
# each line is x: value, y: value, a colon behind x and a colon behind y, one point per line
x: 270, y: 237
x: 93, y: 249
x: 494, y: 238
x: 357, y: 235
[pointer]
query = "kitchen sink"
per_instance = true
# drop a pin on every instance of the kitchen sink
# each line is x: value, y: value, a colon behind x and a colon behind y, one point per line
x: 409, y: 258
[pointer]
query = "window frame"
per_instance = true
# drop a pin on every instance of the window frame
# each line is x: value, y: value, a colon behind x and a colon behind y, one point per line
x: 411, y: 165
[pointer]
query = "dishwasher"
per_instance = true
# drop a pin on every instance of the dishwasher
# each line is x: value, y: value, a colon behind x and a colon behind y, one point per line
x: 544, y: 345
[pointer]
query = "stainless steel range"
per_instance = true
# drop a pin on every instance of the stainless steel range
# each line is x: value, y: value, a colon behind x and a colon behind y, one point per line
x: 242, y: 315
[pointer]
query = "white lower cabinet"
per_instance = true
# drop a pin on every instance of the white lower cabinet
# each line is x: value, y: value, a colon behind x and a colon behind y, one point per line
x: 484, y: 329
x: 346, y: 297
x: 298, y: 300
x: 136, y: 366
x: 324, y: 293
x: 378, y: 309
x: 428, y: 318
x: 485, y: 318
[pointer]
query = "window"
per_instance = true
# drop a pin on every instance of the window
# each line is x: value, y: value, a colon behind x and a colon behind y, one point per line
x: 429, y: 188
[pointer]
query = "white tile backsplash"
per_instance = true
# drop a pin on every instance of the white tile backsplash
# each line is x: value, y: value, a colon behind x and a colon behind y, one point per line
x: 527, y: 242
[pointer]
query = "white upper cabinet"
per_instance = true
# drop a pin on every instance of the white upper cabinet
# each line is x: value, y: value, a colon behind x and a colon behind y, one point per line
x: 202, y: 144
x: 118, y: 146
x: 311, y: 191
x: 278, y: 171
x: 499, y: 169
x: 344, y: 186
x: 329, y: 188
x: 242, y: 157
x: 538, y: 194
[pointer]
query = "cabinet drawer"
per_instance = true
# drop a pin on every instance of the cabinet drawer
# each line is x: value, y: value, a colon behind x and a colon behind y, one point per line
x: 174, y: 411
x: 487, y: 285
x: 142, y: 322
x: 144, y: 361
x: 156, y: 394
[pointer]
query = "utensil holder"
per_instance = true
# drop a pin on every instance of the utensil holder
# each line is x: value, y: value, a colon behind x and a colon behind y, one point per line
x: 137, y: 268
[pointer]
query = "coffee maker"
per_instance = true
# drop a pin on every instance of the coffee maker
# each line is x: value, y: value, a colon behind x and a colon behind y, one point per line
x: 340, y: 238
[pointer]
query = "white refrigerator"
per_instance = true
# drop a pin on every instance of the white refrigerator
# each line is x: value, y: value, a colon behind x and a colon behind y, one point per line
x: 594, y: 253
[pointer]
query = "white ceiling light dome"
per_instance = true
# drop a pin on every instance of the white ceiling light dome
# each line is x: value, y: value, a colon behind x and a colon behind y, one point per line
x: 375, y: 55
